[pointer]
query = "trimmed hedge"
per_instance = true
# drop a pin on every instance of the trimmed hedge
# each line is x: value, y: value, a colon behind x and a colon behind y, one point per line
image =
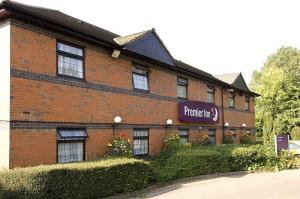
x: 182, y: 162
x: 78, y: 180
x: 188, y: 162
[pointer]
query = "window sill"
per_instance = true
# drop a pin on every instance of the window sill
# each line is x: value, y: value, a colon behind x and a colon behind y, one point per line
x: 141, y: 90
x: 66, y: 77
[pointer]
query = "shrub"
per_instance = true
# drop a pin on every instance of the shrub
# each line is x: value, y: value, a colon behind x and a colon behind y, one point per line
x: 78, y: 180
x: 228, y: 139
x: 246, y: 139
x: 119, y: 148
x: 172, y: 165
x: 199, y: 160
x: 203, y: 140
x: 295, y: 133
x: 172, y: 138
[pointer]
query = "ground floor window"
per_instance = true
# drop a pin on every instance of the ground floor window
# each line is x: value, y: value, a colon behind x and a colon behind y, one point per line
x: 140, y: 141
x: 70, y: 145
x: 184, y: 135
x: 212, y: 136
x: 233, y: 134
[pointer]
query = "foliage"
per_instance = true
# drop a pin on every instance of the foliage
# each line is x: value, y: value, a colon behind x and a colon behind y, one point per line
x: 278, y: 82
x: 119, y: 148
x: 245, y: 139
x: 203, y: 140
x: 268, y: 128
x: 172, y: 138
x: 199, y: 160
x: 78, y: 180
x: 295, y: 133
x: 228, y: 139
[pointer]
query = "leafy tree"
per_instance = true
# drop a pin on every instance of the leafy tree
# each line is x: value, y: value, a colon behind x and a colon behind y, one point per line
x: 278, y: 82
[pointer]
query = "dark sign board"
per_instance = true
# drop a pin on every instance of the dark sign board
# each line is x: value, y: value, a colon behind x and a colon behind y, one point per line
x: 195, y: 111
x: 282, y: 142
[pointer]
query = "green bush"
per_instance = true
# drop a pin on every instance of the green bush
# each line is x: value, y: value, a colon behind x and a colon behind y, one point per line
x: 78, y: 180
x: 119, y: 148
x: 295, y: 133
x: 203, y: 140
x: 246, y: 139
x: 201, y: 160
x: 187, y: 162
x: 228, y: 139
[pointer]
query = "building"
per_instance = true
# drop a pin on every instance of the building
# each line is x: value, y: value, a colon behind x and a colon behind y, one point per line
x: 68, y: 88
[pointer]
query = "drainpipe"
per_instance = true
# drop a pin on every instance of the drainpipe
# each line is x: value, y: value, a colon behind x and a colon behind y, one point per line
x: 223, y: 128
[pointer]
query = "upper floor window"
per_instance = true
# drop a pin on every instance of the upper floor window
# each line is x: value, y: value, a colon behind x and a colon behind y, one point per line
x: 247, y: 103
x: 210, y: 94
x: 70, y: 60
x: 182, y: 84
x: 140, y: 78
x: 231, y: 100
x: 184, y: 135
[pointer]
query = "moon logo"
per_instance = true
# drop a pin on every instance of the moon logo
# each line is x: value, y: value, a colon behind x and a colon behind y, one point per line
x: 215, y: 118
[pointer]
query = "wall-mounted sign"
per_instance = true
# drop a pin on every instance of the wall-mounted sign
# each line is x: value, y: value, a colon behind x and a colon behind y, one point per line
x: 195, y: 111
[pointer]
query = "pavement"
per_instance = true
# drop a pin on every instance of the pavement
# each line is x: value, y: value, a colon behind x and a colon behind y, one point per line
x: 265, y: 185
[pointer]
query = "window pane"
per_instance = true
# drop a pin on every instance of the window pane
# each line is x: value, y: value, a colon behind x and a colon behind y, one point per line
x: 231, y: 100
x: 182, y: 81
x: 69, y: 49
x: 71, y: 134
x: 182, y: 132
x: 210, y: 97
x: 140, y: 146
x: 140, y: 82
x: 181, y: 91
x: 139, y: 133
x: 70, y: 152
x: 183, y: 140
x: 140, y: 143
x: 212, y: 136
x: 70, y: 66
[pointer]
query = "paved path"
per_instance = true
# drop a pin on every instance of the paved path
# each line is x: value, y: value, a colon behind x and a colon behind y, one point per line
x: 273, y: 185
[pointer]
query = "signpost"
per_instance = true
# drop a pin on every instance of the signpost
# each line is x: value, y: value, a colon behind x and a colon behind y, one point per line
x: 281, y: 143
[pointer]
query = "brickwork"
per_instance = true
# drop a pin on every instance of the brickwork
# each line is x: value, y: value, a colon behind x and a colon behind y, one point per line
x: 41, y: 101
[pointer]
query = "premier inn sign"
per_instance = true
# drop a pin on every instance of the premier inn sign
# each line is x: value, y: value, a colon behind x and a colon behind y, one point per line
x: 195, y: 111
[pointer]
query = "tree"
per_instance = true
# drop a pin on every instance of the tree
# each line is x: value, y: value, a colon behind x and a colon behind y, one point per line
x: 278, y: 82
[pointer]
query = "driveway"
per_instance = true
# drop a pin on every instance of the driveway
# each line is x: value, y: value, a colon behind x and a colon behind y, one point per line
x: 275, y: 185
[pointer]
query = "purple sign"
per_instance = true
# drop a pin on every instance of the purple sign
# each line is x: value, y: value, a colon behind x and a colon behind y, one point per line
x: 195, y: 111
x: 282, y: 142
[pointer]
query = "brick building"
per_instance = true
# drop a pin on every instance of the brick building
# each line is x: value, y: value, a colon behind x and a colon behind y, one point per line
x: 68, y: 88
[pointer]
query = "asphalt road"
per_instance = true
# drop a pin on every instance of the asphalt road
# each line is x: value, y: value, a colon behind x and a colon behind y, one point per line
x: 273, y: 185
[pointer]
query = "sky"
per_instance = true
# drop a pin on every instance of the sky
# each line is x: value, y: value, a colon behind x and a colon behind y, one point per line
x: 216, y: 36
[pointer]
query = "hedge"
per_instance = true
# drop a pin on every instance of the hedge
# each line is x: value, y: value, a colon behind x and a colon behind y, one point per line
x: 78, y: 180
x: 187, y: 162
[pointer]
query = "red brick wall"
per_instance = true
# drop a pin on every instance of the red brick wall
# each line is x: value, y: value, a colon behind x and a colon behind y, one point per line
x: 48, y: 102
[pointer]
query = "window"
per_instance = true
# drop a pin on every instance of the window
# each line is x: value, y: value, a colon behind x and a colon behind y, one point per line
x: 233, y: 133
x: 140, y: 78
x: 69, y: 60
x: 212, y: 136
x: 247, y: 103
x: 210, y: 94
x: 231, y: 100
x: 140, y: 142
x: 70, y: 145
x: 184, y: 135
x: 182, y: 84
